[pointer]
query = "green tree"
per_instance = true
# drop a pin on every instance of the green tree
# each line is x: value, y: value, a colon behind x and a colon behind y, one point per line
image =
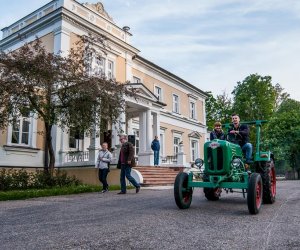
x: 218, y: 109
x: 283, y: 133
x: 255, y: 98
x: 59, y: 90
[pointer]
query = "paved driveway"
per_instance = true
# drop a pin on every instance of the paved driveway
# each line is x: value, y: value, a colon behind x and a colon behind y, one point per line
x: 150, y: 220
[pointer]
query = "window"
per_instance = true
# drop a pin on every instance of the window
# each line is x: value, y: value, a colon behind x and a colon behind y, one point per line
x: 158, y: 93
x: 175, y: 104
x: 89, y: 63
x: 76, y: 139
x: 72, y: 140
x: 136, y: 80
x: 99, y: 66
x: 110, y: 69
x: 23, y: 131
x: 20, y: 131
x: 176, y: 145
x: 194, y: 150
x: 192, y: 110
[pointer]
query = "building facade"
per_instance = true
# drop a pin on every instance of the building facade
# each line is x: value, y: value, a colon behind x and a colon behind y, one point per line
x: 167, y: 106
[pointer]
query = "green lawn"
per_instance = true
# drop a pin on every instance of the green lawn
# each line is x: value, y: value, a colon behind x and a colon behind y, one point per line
x: 33, y: 193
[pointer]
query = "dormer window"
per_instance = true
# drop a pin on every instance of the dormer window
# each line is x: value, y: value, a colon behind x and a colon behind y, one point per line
x: 158, y: 93
x: 136, y: 80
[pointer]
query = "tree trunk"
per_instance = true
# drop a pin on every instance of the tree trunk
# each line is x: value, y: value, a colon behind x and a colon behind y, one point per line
x: 50, y: 148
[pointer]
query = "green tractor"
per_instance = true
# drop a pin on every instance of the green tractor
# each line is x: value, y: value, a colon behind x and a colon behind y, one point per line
x: 225, y: 169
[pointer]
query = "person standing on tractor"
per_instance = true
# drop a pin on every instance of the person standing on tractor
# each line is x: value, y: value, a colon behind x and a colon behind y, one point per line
x: 217, y: 133
x: 239, y: 134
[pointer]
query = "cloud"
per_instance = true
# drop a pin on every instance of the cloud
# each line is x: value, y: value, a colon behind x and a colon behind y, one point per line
x: 212, y: 44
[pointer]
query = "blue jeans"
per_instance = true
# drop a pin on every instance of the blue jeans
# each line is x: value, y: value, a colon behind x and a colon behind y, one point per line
x: 102, y: 174
x: 248, y: 149
x: 126, y: 172
x: 156, y: 158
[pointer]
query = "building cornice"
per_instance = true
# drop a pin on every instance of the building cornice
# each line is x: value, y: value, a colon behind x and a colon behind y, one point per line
x: 170, y: 75
x: 182, y: 119
x: 62, y: 13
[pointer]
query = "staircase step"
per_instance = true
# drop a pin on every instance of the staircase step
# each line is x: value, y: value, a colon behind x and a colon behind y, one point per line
x: 158, y: 176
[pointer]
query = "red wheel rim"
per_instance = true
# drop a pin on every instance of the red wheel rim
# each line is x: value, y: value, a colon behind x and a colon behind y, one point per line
x: 258, y: 194
x: 273, y: 182
x: 186, y: 196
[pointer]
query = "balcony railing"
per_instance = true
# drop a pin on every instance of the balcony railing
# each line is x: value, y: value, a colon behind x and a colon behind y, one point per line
x: 169, y: 159
x: 77, y: 156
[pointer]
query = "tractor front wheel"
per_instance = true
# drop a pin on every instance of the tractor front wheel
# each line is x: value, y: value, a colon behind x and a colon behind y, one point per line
x: 254, y: 193
x: 212, y: 194
x: 182, y: 193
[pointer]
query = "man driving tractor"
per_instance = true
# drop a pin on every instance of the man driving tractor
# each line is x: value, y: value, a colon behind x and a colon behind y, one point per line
x: 239, y: 134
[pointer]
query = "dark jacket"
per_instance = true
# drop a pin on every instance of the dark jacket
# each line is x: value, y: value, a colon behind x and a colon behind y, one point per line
x: 242, y: 137
x: 155, y: 145
x: 128, y: 151
x: 215, y: 135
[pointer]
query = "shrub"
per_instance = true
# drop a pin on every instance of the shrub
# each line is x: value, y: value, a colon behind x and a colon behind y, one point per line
x: 62, y: 179
x: 21, y: 179
x: 5, y: 179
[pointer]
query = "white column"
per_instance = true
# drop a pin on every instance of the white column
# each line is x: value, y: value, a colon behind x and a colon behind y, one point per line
x: 149, y: 130
x: 145, y: 153
x: 129, y: 127
x: 94, y: 144
x: 142, y: 131
x: 181, y: 156
x: 117, y: 128
x: 64, y: 137
x: 122, y: 123
x: 61, y: 44
x: 114, y: 135
x: 156, y: 124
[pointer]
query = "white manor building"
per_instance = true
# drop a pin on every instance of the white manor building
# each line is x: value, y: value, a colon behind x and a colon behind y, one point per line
x: 168, y: 106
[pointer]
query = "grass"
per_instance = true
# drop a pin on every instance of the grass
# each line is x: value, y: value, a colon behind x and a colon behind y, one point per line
x: 34, y: 193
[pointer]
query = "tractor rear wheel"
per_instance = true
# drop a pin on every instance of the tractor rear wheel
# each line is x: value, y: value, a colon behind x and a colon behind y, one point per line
x: 254, y: 193
x: 268, y: 176
x: 212, y: 194
x: 183, y: 195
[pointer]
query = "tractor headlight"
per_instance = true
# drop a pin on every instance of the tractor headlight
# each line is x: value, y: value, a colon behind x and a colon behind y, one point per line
x: 236, y: 162
x: 199, y: 162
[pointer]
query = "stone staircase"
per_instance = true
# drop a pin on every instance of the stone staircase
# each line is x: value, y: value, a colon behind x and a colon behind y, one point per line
x: 158, y: 176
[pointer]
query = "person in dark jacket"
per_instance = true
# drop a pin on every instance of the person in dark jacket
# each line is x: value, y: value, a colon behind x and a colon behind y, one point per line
x: 217, y: 133
x: 125, y: 163
x: 239, y: 133
x: 155, y: 146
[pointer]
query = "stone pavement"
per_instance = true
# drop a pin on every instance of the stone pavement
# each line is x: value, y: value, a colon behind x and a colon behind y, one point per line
x: 150, y: 220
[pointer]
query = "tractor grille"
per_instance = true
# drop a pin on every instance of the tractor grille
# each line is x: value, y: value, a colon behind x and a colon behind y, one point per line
x: 210, y: 159
x: 215, y: 159
x: 219, y: 158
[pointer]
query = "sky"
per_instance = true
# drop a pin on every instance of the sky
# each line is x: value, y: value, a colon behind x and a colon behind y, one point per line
x: 212, y: 44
